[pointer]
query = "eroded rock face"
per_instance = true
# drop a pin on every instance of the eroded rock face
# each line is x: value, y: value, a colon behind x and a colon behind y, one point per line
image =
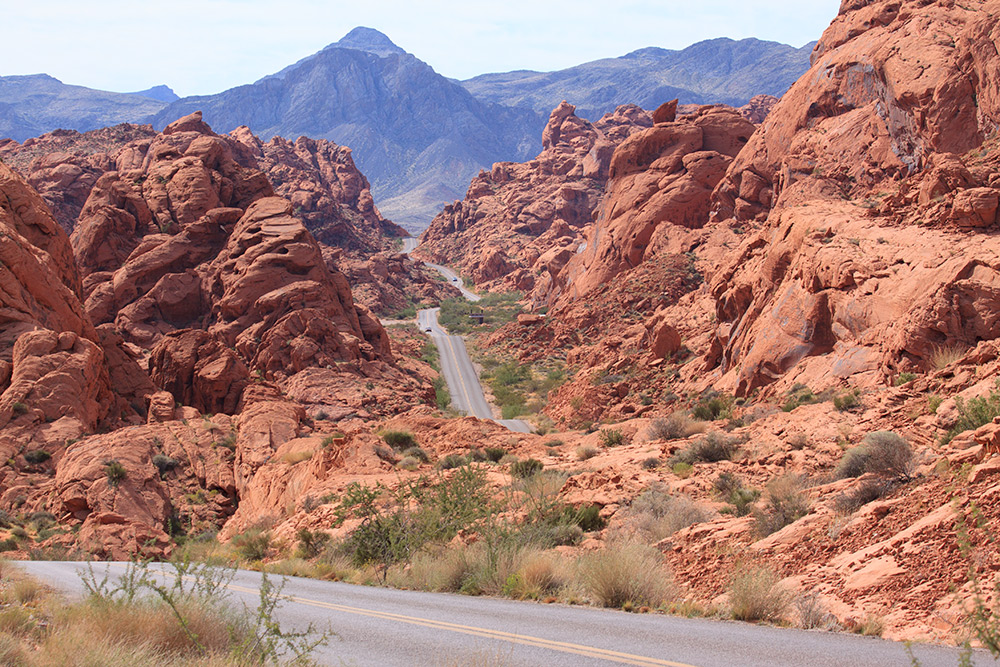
x: 659, y: 179
x: 872, y: 183
x: 327, y: 191
x: 520, y: 222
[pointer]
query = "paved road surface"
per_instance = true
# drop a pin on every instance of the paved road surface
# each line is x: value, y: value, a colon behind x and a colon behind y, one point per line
x: 390, y: 628
x: 463, y: 381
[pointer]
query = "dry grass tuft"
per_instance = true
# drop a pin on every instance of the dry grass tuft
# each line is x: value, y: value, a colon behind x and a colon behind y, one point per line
x: 677, y: 425
x: 756, y: 594
x: 943, y: 356
x: 626, y: 573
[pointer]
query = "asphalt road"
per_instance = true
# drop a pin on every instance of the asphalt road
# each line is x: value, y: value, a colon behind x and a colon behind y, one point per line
x: 456, y: 366
x: 463, y: 381
x: 389, y: 628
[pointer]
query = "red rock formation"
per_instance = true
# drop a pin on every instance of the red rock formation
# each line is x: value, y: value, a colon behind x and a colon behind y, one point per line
x: 864, y: 174
x: 519, y: 223
x: 659, y: 179
x: 327, y: 191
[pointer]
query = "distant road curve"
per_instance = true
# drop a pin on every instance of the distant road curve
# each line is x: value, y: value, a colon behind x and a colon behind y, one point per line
x: 394, y: 628
x: 456, y: 366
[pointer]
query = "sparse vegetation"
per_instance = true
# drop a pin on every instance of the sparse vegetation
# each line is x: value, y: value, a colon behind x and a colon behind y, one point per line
x: 713, y: 405
x: 974, y: 413
x: 452, y: 461
x: 399, y: 440
x: 584, y: 452
x: 903, y: 378
x: 883, y: 453
x: 525, y: 468
x: 756, y: 594
x: 715, y: 446
x: 869, y: 490
x: 943, y: 356
x: 785, y: 502
x: 656, y: 514
x: 37, y: 456
x: 164, y: 464
x: 611, y: 437
x: 626, y: 575
x: 115, y: 472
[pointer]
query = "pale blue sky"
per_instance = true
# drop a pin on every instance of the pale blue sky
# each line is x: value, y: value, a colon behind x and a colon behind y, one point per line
x: 205, y: 46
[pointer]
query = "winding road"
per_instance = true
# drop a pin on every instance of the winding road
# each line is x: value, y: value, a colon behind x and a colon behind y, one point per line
x: 390, y: 628
x: 456, y: 366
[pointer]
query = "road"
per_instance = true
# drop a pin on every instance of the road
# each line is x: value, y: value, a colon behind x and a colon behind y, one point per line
x: 390, y: 628
x: 456, y: 366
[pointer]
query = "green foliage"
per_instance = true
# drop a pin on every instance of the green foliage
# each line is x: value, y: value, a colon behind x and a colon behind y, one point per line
x: 115, y: 473
x: 883, y: 453
x: 497, y: 309
x: 845, y: 402
x: 494, y: 454
x: 611, y: 437
x: 526, y: 468
x: 442, y: 398
x: 713, y: 405
x: 417, y: 453
x: 311, y: 543
x: 253, y: 544
x: 903, y: 378
x: 19, y: 408
x: 715, y: 446
x: 164, y: 463
x: 399, y: 440
x: 37, y: 456
x: 801, y: 395
x: 974, y: 413
x: 733, y: 491
x: 452, y: 461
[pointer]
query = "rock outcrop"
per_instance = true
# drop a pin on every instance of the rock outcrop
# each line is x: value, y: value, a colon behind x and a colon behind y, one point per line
x: 520, y: 223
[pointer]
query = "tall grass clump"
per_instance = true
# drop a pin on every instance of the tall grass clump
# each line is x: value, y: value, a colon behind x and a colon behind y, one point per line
x: 677, y: 425
x: 626, y: 574
x: 756, y: 594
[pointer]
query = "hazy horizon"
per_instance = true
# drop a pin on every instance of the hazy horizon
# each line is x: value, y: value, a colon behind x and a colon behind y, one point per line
x: 200, y: 48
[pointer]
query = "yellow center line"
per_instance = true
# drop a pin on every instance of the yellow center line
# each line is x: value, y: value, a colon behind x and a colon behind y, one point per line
x: 461, y: 380
x: 527, y: 640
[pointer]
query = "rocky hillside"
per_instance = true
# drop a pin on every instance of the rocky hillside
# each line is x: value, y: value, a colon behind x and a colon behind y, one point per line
x: 714, y: 71
x: 188, y: 290
x: 38, y: 103
x: 520, y: 223
x: 418, y: 136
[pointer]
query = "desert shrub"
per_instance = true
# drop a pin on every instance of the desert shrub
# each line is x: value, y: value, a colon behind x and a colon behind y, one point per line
x: 385, y: 453
x: 253, y: 544
x: 756, y: 594
x: 164, y: 463
x: 974, y: 413
x: 625, y: 574
x: 10, y: 544
x: 785, y: 502
x: 715, y: 446
x: 115, y: 472
x: 417, y: 453
x: 408, y: 463
x: 903, y: 378
x: 37, y: 456
x: 883, y: 453
x: 525, y: 468
x: 452, y: 461
x: 311, y: 543
x: 553, y: 443
x: 584, y: 452
x: 812, y: 614
x: 869, y: 626
x: 945, y: 355
x: 682, y: 470
x: 494, y: 454
x: 800, y: 395
x: 652, y: 463
x: 867, y: 491
x: 677, y: 425
x: 933, y: 403
x: 845, y: 402
x: 19, y: 408
x: 733, y: 491
x: 19, y: 533
x: 442, y: 397
x: 656, y: 514
x: 399, y: 440
x: 611, y: 437
x: 712, y: 406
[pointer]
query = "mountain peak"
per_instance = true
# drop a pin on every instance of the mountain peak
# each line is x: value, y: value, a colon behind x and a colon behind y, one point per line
x: 370, y: 40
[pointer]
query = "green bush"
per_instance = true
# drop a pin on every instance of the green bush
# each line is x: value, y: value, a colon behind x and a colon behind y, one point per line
x: 253, y: 544
x: 164, y: 463
x: 611, y: 437
x: 418, y: 454
x: 974, y: 413
x: 883, y: 453
x: 494, y: 454
x: 115, y: 472
x: 399, y: 440
x: 712, y: 448
x: 844, y: 402
x: 311, y: 543
x: 452, y: 461
x: 37, y: 456
x: 525, y: 468
x: 712, y: 406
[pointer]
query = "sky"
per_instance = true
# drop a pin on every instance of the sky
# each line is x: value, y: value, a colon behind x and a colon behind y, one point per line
x: 205, y: 46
